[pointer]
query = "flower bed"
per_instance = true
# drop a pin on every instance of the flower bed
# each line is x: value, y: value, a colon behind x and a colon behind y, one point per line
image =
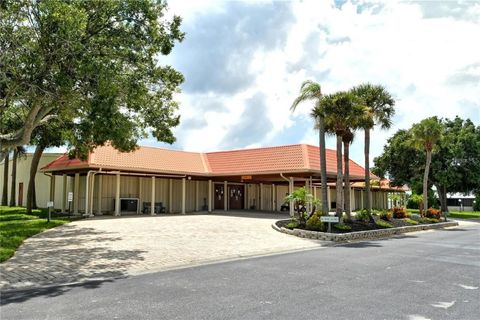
x: 364, y: 230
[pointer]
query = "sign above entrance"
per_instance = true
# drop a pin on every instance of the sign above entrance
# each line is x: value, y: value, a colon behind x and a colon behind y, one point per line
x: 246, y: 177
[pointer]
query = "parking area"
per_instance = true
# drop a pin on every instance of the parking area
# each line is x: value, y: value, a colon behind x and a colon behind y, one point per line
x: 111, y: 247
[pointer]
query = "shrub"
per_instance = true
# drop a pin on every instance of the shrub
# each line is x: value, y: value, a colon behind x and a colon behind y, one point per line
x: 377, y: 212
x: 342, y: 227
x: 428, y: 220
x: 476, y: 204
x: 314, y: 223
x: 433, y: 213
x: 292, y: 224
x: 386, y: 215
x: 410, y: 221
x: 399, y: 213
x: 383, y: 224
x: 362, y: 215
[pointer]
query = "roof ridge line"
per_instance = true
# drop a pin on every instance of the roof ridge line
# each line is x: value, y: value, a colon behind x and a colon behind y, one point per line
x: 305, y: 157
x: 205, y: 162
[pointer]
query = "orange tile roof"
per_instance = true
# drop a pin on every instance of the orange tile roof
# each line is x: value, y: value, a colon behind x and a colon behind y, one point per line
x: 285, y: 159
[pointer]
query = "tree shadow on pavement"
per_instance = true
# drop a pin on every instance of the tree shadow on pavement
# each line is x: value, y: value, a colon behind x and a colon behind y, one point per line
x: 67, y: 254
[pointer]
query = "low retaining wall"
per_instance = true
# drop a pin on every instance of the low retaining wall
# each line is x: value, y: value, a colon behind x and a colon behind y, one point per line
x: 369, y: 234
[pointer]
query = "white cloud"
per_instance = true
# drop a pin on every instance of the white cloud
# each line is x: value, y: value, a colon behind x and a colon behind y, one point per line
x: 426, y: 56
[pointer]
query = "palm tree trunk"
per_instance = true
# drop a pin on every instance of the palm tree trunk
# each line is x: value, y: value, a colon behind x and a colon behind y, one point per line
x: 339, y: 191
x: 31, y: 201
x: 368, y: 191
x: 323, y: 165
x: 346, y: 178
x: 425, y: 181
x: 5, y: 180
x: 14, y: 178
x: 442, y: 196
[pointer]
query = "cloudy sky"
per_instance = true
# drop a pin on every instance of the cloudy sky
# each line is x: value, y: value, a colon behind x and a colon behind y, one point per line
x: 244, y: 62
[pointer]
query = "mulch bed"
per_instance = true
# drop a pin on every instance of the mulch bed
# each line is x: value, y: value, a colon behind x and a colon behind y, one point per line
x: 359, y: 225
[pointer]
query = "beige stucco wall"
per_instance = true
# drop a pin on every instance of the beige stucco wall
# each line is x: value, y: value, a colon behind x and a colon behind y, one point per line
x: 42, y: 182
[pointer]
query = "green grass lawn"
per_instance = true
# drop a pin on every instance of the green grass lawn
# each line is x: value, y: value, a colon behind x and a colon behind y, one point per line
x: 16, y: 226
x: 456, y: 214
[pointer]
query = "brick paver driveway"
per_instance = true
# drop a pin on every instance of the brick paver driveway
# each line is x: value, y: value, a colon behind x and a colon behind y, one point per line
x: 110, y: 247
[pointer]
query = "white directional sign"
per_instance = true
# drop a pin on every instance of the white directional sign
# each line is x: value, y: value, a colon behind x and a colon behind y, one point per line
x: 329, y: 219
x: 70, y: 197
x: 49, y: 204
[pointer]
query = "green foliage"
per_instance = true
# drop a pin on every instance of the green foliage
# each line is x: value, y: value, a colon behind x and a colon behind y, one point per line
x: 386, y: 215
x: 292, y: 224
x: 362, y: 215
x: 16, y: 226
x: 465, y: 214
x: 476, y: 203
x: 383, y: 224
x: 415, y: 216
x: 98, y: 62
x: 410, y: 221
x: 314, y: 223
x: 399, y: 213
x: 342, y: 227
x: 425, y: 220
x: 301, y: 198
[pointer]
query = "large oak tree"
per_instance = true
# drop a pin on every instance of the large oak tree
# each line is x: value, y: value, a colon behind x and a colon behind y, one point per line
x: 98, y: 62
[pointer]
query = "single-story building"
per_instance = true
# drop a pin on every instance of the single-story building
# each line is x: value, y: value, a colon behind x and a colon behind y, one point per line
x: 155, y: 180
x: 460, y: 202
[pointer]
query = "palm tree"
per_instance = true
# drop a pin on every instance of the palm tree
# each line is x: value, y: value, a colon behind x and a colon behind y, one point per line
x: 380, y: 110
x: 311, y: 90
x: 347, y: 140
x: 424, y: 136
x: 342, y: 112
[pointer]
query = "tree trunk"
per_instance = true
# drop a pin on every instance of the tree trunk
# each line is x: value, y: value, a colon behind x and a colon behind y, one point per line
x: 442, y: 196
x: 346, y: 178
x: 5, y: 180
x: 368, y: 191
x: 323, y: 166
x: 13, y: 188
x: 339, y: 191
x: 31, y: 201
x: 425, y: 181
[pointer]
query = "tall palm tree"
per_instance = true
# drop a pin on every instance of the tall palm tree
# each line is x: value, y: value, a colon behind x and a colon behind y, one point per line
x: 311, y: 90
x: 342, y: 111
x: 424, y: 137
x: 380, y: 110
x: 347, y: 140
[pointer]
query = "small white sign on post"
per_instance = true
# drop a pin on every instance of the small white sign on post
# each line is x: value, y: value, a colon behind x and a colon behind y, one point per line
x: 70, y: 197
x: 331, y: 219
x: 49, y: 204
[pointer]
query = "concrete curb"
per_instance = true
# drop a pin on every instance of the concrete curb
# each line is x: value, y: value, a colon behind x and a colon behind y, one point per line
x: 369, y: 234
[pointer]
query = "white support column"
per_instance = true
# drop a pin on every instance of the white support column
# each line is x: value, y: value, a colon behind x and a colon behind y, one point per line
x: 274, y: 202
x: 361, y: 199
x: 140, y: 194
x: 76, y: 193
x: 92, y: 188
x: 117, y: 195
x: 170, y: 195
x: 152, y: 198
x: 197, y: 192
x: 245, y: 197
x: 329, y: 198
x: 99, y: 196
x: 64, y: 193
x: 184, y: 191
x: 260, y: 201
x: 87, y: 194
x: 307, y: 189
x: 314, y: 193
x: 352, y: 199
x: 209, y: 195
x: 225, y: 196
x: 290, y: 191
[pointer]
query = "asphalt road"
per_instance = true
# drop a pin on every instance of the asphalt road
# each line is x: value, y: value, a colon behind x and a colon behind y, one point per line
x: 428, y: 275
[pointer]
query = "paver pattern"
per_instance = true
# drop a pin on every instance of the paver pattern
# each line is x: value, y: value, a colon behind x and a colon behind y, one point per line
x: 108, y: 247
